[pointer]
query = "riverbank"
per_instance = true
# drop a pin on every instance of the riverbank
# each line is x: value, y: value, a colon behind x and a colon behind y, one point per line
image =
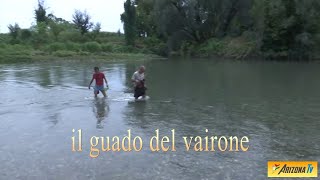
x: 105, y: 46
x: 72, y: 51
x: 112, y: 47
x: 238, y: 48
x: 74, y: 56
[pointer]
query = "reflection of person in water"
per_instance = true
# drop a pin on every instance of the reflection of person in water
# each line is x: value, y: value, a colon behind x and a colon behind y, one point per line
x: 101, y: 110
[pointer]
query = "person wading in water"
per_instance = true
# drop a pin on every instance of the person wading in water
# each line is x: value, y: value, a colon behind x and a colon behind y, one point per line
x: 99, y: 77
x: 138, y: 79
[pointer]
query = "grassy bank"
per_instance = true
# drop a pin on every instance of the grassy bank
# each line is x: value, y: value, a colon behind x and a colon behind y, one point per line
x: 104, y: 57
x: 111, y: 46
x: 240, y: 48
x: 106, y: 47
x: 234, y: 48
x: 35, y: 55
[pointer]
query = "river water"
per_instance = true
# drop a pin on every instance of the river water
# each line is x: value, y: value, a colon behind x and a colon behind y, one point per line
x: 276, y: 105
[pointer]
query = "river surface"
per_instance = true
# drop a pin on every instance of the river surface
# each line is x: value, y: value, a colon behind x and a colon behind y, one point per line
x: 277, y: 105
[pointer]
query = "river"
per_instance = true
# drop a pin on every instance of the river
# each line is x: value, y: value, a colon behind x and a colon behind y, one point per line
x: 275, y: 104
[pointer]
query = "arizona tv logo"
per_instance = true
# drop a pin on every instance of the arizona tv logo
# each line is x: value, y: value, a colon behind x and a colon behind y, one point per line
x: 292, y: 169
x: 286, y: 169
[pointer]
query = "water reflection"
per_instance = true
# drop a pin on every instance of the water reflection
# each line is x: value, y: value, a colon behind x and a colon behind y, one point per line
x: 137, y: 114
x: 54, y: 119
x: 276, y: 105
x: 100, y: 109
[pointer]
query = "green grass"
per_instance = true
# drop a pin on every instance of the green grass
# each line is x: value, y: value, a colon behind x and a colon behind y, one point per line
x: 108, y: 46
x: 19, y: 53
x: 236, y: 48
x: 73, y: 45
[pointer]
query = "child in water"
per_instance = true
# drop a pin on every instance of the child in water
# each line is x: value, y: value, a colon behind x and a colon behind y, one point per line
x: 99, y: 77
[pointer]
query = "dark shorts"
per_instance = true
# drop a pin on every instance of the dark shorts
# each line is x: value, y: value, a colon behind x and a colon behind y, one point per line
x: 139, y: 91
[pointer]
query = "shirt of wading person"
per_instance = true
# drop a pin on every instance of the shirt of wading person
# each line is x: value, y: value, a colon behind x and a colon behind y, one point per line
x: 137, y: 77
x: 99, y: 81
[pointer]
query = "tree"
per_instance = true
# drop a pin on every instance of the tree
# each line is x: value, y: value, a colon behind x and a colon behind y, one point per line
x: 41, y: 35
x: 40, y: 12
x: 129, y: 22
x: 283, y: 29
x: 57, y: 25
x: 25, y: 34
x: 82, y: 21
x: 52, y: 17
x: 145, y: 23
x: 193, y: 21
x: 14, y: 32
x: 55, y: 29
x: 97, y: 28
x: 96, y: 31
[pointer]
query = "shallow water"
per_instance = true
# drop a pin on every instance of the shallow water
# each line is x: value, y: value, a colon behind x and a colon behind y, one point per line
x: 277, y: 105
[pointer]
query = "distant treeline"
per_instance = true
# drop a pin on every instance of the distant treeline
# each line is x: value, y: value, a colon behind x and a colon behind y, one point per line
x: 272, y: 29
x: 52, y: 36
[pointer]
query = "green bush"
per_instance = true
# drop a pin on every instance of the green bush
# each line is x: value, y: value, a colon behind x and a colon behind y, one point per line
x: 73, y: 36
x: 155, y: 45
x: 5, y: 38
x: 56, y: 47
x: 107, y: 47
x: 20, y: 52
x: 92, y: 47
x: 20, y: 47
x: 3, y: 46
x: 214, y: 45
x: 63, y: 53
x: 145, y: 51
x: 211, y: 47
x: 25, y: 34
x: 152, y: 41
x: 105, y: 37
x: 83, y: 53
x: 14, y: 50
x: 161, y: 49
x: 2, y: 51
x: 186, y: 48
x: 123, y: 49
x: 71, y: 46
x: 238, y: 48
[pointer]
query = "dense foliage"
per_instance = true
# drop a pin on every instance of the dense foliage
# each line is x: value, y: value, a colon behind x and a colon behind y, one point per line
x: 52, y: 36
x: 129, y: 20
x: 40, y: 12
x: 274, y: 29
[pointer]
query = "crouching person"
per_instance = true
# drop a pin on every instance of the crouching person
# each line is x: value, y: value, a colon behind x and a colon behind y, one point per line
x: 138, y: 78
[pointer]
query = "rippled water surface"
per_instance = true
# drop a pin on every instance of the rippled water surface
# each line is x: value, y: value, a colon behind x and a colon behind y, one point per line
x: 277, y: 105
